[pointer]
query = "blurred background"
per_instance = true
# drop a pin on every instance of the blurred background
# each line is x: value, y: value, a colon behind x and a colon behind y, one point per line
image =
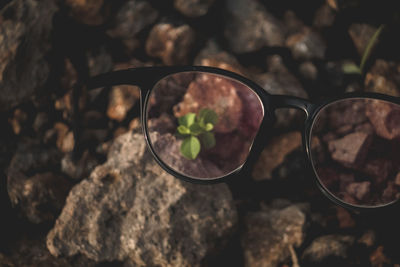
x: 115, y: 206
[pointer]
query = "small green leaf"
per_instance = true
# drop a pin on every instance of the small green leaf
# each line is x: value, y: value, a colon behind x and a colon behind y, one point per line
x: 351, y: 68
x: 187, y: 119
x: 370, y: 45
x: 190, y: 147
x: 183, y: 130
x: 196, y: 129
x: 209, y: 127
x: 208, y: 140
x: 208, y: 116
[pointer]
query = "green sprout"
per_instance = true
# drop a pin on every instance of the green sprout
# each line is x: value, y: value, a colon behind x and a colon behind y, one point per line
x: 196, y: 129
x: 352, y: 68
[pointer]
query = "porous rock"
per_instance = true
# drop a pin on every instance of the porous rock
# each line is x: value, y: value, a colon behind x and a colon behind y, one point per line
x: 328, y: 247
x: 249, y: 26
x: 271, y: 234
x: 172, y: 44
x: 25, y: 28
x: 38, y: 195
x: 129, y: 208
x: 132, y: 18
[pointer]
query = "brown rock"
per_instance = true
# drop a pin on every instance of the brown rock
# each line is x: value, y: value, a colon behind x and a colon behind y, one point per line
x: 385, y: 118
x: 274, y: 154
x: 324, y: 16
x: 328, y: 247
x: 132, y: 18
x: 397, y: 180
x: 249, y: 26
x: 390, y: 193
x: 193, y: 8
x: 214, y: 56
x: 308, y: 70
x: 383, y: 77
x: 361, y: 34
x: 271, y: 235
x: 378, y: 258
x: 225, y: 101
x: 87, y: 11
x: 121, y: 99
x: 344, y: 217
x: 368, y: 238
x: 81, y: 168
x: 36, y: 194
x: 23, y: 68
x: 65, y: 137
x: 278, y: 80
x: 351, y: 149
x: 18, y: 120
x: 129, y: 208
x: 172, y: 44
x: 359, y: 190
x: 306, y: 44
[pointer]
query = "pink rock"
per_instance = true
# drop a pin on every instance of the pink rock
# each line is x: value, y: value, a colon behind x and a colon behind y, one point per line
x: 167, y: 148
x: 359, y: 190
x: 216, y: 93
x: 385, y: 117
x: 350, y: 150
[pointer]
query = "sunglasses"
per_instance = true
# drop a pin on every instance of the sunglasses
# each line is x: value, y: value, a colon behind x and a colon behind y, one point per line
x: 205, y: 125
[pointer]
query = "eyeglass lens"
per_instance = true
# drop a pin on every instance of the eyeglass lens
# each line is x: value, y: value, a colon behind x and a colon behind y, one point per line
x: 356, y: 150
x: 202, y: 125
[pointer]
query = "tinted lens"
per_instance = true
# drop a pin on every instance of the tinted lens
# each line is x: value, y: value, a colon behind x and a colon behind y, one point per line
x: 202, y: 125
x: 356, y: 150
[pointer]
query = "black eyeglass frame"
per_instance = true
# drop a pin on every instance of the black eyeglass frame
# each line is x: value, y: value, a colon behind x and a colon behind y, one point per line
x: 147, y: 77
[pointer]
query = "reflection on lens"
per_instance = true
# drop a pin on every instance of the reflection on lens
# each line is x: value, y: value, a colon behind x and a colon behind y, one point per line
x: 356, y: 150
x: 203, y: 125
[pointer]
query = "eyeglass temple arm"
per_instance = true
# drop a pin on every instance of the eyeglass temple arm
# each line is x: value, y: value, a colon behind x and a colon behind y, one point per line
x: 109, y: 79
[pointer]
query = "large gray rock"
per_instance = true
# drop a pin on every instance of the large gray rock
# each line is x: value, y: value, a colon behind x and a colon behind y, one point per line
x: 271, y: 235
x: 25, y: 28
x: 130, y: 209
x: 249, y: 26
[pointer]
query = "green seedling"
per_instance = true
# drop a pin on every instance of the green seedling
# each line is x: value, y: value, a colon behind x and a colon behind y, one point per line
x: 352, y: 68
x: 196, y: 129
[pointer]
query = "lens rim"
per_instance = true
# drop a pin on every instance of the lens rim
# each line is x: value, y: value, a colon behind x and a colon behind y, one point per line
x: 307, y: 136
x: 268, y: 117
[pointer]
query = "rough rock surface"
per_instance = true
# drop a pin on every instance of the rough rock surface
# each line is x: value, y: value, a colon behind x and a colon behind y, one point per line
x: 306, y: 44
x: 274, y: 154
x: 249, y: 26
x: 36, y: 194
x: 328, y: 247
x: 271, y: 234
x: 129, y: 208
x: 25, y: 28
x: 193, y: 8
x: 132, y: 17
x: 171, y: 44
